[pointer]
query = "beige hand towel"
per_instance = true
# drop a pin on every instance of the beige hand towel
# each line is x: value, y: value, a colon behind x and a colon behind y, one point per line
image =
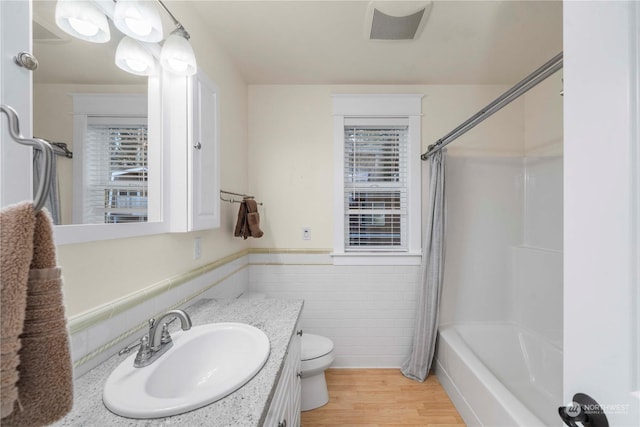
x: 17, y: 224
x: 45, y: 385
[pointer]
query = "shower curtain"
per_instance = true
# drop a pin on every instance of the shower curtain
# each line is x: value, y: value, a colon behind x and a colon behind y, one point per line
x: 417, y: 366
x: 52, y: 202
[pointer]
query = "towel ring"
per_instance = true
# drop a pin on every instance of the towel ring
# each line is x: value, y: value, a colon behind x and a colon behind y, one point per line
x: 47, y: 151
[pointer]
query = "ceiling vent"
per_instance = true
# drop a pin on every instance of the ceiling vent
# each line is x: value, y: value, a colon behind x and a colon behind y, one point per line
x: 396, y: 20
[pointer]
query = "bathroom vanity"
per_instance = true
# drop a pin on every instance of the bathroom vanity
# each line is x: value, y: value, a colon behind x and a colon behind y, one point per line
x: 269, y: 399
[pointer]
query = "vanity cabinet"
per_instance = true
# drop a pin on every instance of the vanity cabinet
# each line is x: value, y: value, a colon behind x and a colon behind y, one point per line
x: 285, y: 405
x: 194, y: 201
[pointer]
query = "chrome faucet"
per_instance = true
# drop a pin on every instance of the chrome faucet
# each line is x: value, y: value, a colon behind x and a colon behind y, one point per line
x: 158, y: 341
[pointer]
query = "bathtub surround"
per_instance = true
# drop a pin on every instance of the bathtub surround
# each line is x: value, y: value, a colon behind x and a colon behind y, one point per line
x: 429, y: 290
x: 501, y: 360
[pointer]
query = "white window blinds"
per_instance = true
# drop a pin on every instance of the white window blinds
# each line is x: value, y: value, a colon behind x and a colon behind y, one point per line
x: 116, y: 170
x: 375, y: 186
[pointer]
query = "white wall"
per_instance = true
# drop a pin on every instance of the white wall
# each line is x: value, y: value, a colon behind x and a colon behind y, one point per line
x: 368, y: 312
x: 291, y: 149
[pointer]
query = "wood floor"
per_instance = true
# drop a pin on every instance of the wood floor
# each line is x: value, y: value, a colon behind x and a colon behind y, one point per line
x: 382, y: 397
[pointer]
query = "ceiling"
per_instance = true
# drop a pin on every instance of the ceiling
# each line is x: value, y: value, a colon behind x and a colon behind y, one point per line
x: 320, y: 42
x: 323, y: 42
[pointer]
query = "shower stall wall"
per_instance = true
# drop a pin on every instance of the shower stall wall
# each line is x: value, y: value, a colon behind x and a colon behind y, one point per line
x: 500, y: 341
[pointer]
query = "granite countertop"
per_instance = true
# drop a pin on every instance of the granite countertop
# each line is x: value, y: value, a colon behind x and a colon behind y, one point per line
x: 247, y: 406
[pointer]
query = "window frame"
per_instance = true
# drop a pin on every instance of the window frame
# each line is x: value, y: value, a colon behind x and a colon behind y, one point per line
x: 93, y: 104
x: 371, y: 108
x: 92, y: 184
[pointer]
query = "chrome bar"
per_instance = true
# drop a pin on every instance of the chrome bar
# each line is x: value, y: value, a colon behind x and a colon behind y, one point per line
x: 47, y: 152
x: 179, y: 26
x: 520, y: 88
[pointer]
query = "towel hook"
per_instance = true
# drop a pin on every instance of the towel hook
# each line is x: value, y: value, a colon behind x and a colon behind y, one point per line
x: 47, y: 151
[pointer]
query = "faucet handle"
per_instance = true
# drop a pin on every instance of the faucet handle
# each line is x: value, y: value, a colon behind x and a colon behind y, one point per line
x: 166, y: 337
x: 145, y: 351
x: 128, y: 349
x: 144, y: 342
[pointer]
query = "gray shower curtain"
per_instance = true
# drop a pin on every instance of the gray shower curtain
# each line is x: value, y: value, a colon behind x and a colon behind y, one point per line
x: 417, y: 365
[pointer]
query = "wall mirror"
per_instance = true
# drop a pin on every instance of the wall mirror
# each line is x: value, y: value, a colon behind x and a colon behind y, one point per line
x: 108, y: 180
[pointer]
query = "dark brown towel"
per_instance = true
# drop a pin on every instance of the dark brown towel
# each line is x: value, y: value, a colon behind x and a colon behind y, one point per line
x: 253, y: 218
x: 45, y: 385
x: 242, y: 229
x: 248, y: 224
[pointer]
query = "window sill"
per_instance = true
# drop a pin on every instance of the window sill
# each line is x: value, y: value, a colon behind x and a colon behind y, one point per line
x: 376, y: 258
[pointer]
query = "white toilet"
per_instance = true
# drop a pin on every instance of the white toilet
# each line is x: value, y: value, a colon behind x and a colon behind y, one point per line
x: 317, y: 356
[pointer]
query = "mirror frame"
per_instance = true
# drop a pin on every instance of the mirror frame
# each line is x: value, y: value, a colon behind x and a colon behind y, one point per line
x: 157, y: 125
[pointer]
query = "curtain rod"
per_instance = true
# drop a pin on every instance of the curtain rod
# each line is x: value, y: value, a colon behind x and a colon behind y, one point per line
x: 520, y: 88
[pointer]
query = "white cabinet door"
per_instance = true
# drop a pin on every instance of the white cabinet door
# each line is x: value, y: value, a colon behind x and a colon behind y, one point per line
x: 285, y: 405
x: 204, y: 177
x: 602, y: 223
x: 295, y: 355
x: 15, y: 91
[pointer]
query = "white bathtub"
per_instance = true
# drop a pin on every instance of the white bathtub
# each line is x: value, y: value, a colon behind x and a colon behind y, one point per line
x: 497, y: 374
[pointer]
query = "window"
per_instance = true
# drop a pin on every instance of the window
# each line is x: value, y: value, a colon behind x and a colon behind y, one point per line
x: 375, y: 186
x: 116, y: 170
x: 377, y: 178
x: 117, y: 162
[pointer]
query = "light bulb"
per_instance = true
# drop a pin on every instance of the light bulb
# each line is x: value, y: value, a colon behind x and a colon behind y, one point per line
x: 83, y: 20
x: 136, y: 65
x: 134, y: 58
x: 139, y: 26
x: 177, y: 65
x: 85, y: 28
x: 139, y: 19
x: 177, y: 55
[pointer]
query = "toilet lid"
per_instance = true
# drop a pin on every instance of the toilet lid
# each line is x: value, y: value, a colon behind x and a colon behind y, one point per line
x: 314, y: 346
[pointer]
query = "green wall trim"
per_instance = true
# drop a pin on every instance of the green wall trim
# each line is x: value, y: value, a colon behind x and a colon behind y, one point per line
x: 105, y: 312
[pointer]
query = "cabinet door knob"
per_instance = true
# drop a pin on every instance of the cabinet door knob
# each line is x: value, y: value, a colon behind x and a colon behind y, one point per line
x: 198, y: 146
x: 26, y: 60
x: 299, y: 375
x: 299, y: 332
x: 282, y: 423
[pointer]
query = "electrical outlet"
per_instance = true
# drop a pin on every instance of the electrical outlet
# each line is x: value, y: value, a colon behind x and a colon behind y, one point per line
x: 197, y: 248
x: 306, y: 233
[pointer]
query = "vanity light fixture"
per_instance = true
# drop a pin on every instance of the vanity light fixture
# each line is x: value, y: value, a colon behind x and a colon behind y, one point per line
x: 138, y: 19
x: 177, y: 54
x: 83, y: 20
x: 133, y: 58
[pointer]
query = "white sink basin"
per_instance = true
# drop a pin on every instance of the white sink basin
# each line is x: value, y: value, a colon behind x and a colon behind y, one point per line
x: 205, y: 364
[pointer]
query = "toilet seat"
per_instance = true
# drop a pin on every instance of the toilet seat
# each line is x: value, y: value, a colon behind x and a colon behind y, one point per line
x: 315, y: 346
